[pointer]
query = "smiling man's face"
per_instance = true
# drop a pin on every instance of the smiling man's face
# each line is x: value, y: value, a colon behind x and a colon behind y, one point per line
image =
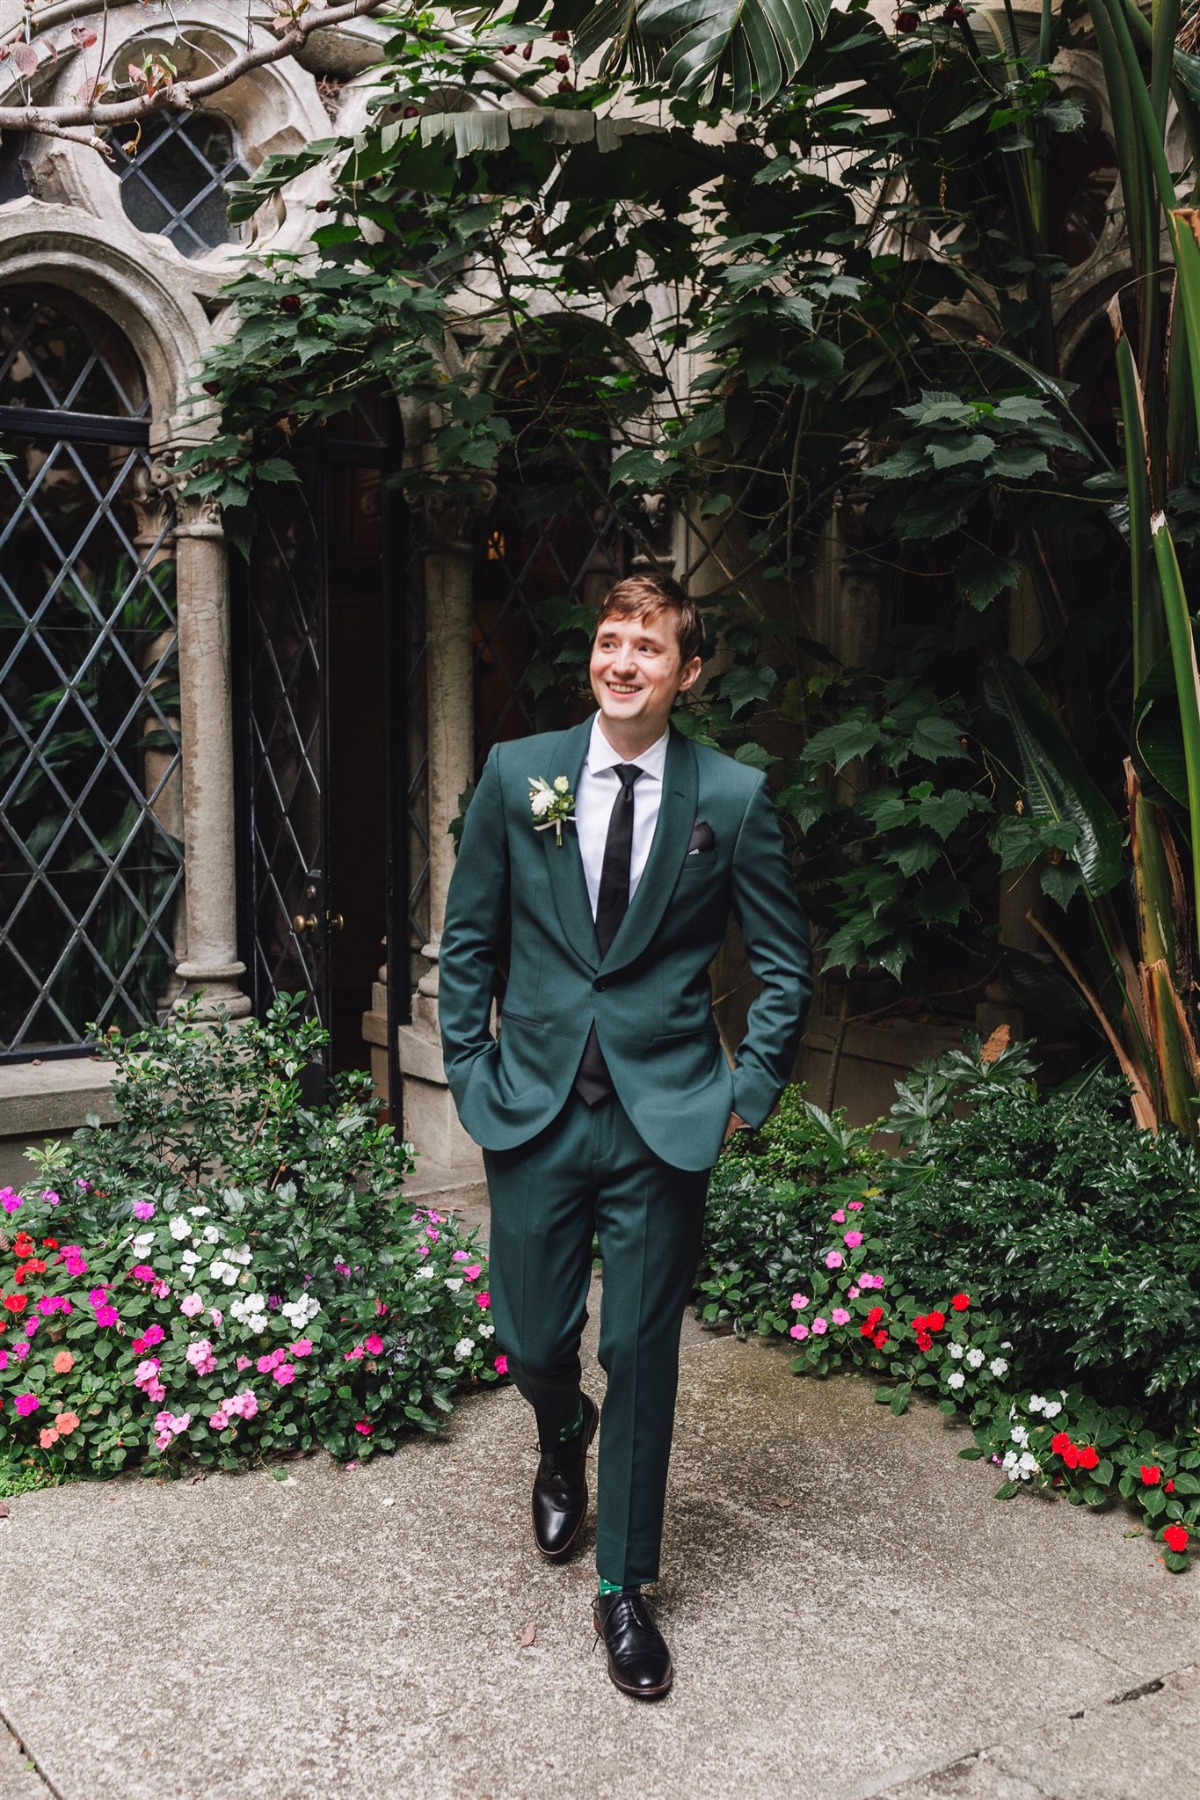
x: 636, y: 674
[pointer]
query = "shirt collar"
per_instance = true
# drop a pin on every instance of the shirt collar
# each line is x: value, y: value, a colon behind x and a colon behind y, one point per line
x: 602, y: 756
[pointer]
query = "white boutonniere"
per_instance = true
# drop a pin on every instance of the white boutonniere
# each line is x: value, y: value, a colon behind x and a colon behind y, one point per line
x: 551, y: 803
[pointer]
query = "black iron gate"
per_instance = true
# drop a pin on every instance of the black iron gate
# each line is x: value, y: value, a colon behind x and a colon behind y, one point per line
x: 321, y: 657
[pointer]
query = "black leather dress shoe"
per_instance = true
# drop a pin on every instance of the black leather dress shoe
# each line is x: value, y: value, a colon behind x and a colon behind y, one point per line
x: 639, y: 1662
x: 560, y: 1494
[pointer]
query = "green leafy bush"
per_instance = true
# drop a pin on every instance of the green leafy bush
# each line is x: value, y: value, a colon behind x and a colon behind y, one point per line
x: 228, y: 1270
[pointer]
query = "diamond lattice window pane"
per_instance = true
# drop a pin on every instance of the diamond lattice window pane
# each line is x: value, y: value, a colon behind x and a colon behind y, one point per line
x: 90, y: 793
x: 175, y: 180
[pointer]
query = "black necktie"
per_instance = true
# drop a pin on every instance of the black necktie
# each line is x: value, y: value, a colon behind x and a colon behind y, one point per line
x: 593, y: 1081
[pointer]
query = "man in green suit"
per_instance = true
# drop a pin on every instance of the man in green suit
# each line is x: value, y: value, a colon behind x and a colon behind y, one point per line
x: 606, y: 860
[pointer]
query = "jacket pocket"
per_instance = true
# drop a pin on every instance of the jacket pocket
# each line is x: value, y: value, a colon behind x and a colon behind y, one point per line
x: 681, y: 1037
x: 514, y: 1018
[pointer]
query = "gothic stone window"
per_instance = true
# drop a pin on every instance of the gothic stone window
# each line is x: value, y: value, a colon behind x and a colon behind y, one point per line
x: 173, y: 180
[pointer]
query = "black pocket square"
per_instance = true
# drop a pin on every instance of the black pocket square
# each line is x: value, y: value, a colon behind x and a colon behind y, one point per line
x: 702, y: 837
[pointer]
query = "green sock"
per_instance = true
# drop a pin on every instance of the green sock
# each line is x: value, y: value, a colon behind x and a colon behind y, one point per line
x: 619, y: 1587
x: 574, y: 1428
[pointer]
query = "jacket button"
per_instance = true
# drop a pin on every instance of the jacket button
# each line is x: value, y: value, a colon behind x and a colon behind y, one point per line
x: 599, y: 986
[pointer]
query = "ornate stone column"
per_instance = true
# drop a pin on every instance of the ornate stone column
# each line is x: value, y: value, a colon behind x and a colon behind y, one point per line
x: 429, y: 1116
x: 206, y: 733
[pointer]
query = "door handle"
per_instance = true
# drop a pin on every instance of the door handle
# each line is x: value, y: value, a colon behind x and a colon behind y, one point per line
x: 305, y: 922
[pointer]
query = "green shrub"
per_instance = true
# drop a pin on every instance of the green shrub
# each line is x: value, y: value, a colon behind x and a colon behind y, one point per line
x: 228, y: 1270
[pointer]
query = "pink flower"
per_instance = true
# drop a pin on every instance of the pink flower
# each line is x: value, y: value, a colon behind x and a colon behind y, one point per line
x: 143, y: 1272
x: 341, y: 1268
x: 201, y: 1357
x: 373, y: 1345
x: 380, y: 1309
x: 160, y: 1290
x: 855, y: 1206
x: 484, y: 1299
x: 243, y: 1362
x: 422, y: 1249
x: 302, y: 1347
x: 838, y: 1217
x: 190, y: 1305
x: 840, y: 1316
x: 870, y: 1281
x: 31, y: 1326
x: 3, y: 1361
x: 9, y: 1201
x: 162, y: 1441
x: 24, y: 1404
x: 146, y: 1370
x: 834, y: 1259
x: 154, y: 1390
x: 431, y: 1234
x: 852, y: 1239
x: 218, y: 1420
x: 501, y: 1365
x: 853, y: 1292
x: 799, y: 1301
x: 285, y: 1374
x: 799, y: 1331
x: 249, y: 1405
x: 272, y: 1360
x: 217, y: 1316
x: 21, y: 1350
x: 459, y: 1256
x: 47, y: 1436
x: 820, y: 1327
x: 143, y: 1210
x: 81, y: 1183
x: 49, y: 1196
x: 351, y: 1355
x: 474, y: 1272
x: 106, y: 1315
x: 364, y: 1427
x: 152, y: 1335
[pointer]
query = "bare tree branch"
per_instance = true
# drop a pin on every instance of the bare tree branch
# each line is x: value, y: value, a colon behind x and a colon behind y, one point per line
x: 183, y: 95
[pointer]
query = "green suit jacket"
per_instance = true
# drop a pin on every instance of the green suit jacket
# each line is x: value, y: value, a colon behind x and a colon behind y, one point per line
x: 649, y: 996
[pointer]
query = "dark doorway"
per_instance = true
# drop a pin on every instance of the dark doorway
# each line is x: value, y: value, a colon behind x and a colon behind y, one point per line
x: 321, y: 652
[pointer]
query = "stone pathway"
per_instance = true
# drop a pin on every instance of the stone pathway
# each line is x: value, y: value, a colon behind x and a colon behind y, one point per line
x: 852, y: 1614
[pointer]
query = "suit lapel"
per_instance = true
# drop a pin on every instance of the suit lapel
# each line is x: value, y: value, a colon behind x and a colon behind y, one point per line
x: 676, y: 817
x: 564, y: 864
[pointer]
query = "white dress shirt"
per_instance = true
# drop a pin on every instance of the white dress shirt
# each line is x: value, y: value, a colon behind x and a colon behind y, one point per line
x: 598, y: 789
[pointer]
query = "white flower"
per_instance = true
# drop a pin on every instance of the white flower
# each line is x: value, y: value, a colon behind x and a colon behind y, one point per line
x: 541, y: 800
x: 1036, y: 1403
x: 487, y: 1331
x: 211, y: 1235
x: 199, y: 1212
x: 465, y: 1347
x: 998, y: 1366
x: 189, y: 1258
x: 956, y: 1379
x: 424, y: 1273
x: 974, y: 1359
x: 179, y: 1227
x: 299, y: 1312
x: 141, y: 1243
x: 1020, y: 1435
x: 222, y: 1271
x: 453, y: 1282
x: 1051, y: 1408
x: 956, y: 1351
x: 1009, y: 1465
x: 1028, y: 1465
x: 239, y: 1253
x: 561, y: 784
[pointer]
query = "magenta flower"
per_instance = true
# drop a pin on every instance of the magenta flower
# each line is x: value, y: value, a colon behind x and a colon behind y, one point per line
x: 474, y: 1272
x: 96, y: 1297
x: 49, y: 1196
x: 302, y: 1347
x: 21, y: 1350
x: 9, y: 1200
x: 459, y: 1256
x: 81, y: 1183
x: 190, y: 1305
x: 380, y: 1309
x: 856, y: 1205
x: 799, y: 1331
x: 501, y: 1365
x: 431, y: 1234
x: 435, y: 1218
x: 820, y: 1327
x: 484, y: 1300
x: 852, y: 1239
x: 160, y: 1290
x: 285, y: 1374
x: 364, y: 1426
x: 272, y: 1360
x: 24, y: 1404
x: 143, y: 1272
x: 31, y: 1326
x: 373, y: 1345
x: 838, y: 1217
x: 143, y: 1210
x: 834, y: 1259
x: 422, y: 1249
x: 840, y: 1316
x: 249, y: 1404
x: 106, y: 1315
x: 799, y: 1301
x: 152, y: 1335
x: 3, y: 1361
x: 347, y: 1355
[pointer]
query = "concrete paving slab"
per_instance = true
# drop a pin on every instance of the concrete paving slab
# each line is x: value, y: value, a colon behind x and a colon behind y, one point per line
x: 851, y: 1613
x: 19, y: 1779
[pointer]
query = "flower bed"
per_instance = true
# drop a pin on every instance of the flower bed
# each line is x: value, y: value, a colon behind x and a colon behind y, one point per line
x: 227, y: 1272
x: 803, y: 1241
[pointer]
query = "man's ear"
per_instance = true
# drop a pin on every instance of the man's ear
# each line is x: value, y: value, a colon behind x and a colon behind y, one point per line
x: 688, y: 674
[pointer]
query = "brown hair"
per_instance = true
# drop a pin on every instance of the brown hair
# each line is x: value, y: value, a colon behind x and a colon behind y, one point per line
x: 644, y: 596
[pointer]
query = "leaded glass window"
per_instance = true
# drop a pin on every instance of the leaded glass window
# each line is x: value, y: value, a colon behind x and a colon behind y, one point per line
x: 91, y: 862
x: 174, y: 182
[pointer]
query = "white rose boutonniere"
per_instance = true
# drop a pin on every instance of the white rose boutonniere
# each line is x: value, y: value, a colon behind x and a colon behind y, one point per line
x: 551, y: 803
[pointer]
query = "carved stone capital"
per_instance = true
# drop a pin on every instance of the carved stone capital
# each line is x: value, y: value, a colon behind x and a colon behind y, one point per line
x: 451, y: 508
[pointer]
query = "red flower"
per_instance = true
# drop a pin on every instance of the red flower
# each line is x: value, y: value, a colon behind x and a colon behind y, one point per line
x: 1151, y: 1475
x: 866, y: 1330
x: 1060, y: 1443
x: 907, y: 21
x: 364, y: 1426
x: 16, y: 1302
x: 1089, y: 1456
x: 924, y: 1341
x: 935, y: 1321
x: 24, y: 1245
x: 1071, y: 1456
x: 49, y: 1243
x: 874, y: 1316
x: 880, y: 1339
x: 1168, y: 1487
x: 1175, y: 1538
x: 960, y: 1302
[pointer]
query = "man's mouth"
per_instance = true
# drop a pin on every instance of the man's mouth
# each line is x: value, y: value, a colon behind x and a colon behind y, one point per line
x: 622, y: 691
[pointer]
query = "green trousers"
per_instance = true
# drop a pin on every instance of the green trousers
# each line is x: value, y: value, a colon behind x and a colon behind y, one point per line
x: 590, y: 1173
